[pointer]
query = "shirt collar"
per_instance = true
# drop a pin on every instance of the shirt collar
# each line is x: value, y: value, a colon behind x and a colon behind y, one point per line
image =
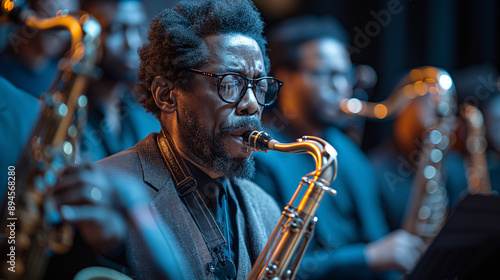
x: 206, y: 185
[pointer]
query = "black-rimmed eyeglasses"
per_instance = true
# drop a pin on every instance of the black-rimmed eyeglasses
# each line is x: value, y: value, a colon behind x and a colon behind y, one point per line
x: 231, y: 87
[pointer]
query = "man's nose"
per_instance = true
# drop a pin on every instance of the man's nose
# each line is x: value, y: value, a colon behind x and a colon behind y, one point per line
x: 248, y: 105
x: 339, y: 82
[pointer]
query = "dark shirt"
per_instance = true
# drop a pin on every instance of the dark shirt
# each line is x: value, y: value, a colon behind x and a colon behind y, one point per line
x: 214, y: 193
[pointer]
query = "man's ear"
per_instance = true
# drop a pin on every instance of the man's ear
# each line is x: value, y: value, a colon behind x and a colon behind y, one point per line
x: 162, y: 90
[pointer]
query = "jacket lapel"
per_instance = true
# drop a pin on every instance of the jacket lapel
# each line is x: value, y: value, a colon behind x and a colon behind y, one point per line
x: 251, y: 230
x: 173, y: 216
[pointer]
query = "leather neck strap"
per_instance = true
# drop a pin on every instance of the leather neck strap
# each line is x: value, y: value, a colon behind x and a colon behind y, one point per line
x: 186, y: 188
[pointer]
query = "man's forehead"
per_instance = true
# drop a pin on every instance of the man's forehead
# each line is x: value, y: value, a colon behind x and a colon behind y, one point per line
x: 230, y: 42
x: 325, y: 51
x: 239, y: 40
x: 234, y: 51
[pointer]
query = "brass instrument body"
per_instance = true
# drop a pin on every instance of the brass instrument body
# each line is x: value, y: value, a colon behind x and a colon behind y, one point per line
x: 427, y: 209
x: 478, y: 178
x: 286, y: 246
x: 423, y: 81
x: 52, y: 144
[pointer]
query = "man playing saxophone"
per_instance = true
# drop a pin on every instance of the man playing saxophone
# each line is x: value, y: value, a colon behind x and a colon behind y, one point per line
x: 352, y: 239
x: 203, y: 74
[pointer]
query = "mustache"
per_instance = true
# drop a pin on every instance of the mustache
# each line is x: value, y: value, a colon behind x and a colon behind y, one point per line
x: 241, y: 122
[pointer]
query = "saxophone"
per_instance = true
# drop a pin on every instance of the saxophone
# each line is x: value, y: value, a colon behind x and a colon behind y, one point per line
x: 427, y: 210
x: 286, y: 246
x: 26, y: 231
x: 478, y: 179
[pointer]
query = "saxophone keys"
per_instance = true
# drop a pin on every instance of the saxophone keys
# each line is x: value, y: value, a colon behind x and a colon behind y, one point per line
x: 60, y: 239
x: 329, y: 190
x: 23, y: 240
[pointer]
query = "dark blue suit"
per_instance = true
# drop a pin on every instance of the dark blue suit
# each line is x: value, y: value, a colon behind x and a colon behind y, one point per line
x: 18, y: 113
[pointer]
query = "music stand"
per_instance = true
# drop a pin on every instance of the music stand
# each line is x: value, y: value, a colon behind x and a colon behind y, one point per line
x: 468, y: 245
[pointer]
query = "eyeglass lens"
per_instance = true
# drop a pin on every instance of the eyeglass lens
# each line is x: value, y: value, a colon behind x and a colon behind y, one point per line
x: 233, y: 87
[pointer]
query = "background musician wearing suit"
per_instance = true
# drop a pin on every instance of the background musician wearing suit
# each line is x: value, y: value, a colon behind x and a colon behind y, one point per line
x: 18, y: 113
x: 203, y: 73
x: 116, y: 120
x: 30, y: 57
x: 352, y: 239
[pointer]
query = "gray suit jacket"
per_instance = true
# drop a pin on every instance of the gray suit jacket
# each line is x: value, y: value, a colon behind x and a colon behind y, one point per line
x: 257, y: 213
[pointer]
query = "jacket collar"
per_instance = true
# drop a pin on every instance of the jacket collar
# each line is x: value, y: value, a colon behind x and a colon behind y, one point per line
x: 154, y: 169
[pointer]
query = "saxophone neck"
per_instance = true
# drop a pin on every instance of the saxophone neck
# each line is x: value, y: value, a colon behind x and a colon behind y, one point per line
x: 422, y: 81
x: 324, y: 154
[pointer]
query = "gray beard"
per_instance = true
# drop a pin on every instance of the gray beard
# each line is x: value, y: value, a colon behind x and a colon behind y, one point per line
x: 210, y: 150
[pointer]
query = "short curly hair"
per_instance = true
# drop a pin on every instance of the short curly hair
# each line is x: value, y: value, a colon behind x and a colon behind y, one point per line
x: 176, y: 40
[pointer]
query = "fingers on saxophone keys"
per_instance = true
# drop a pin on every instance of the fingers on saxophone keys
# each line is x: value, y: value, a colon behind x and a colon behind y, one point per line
x: 75, y: 178
x: 81, y: 194
x: 83, y: 213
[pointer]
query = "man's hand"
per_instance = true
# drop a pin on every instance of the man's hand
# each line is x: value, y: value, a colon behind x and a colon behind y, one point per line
x: 398, y: 250
x: 87, y: 200
x: 106, y: 212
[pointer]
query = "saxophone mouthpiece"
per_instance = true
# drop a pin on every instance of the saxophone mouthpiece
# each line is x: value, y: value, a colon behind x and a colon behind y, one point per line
x: 258, y: 141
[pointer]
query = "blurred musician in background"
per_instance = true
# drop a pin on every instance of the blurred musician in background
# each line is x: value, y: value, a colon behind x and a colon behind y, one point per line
x: 352, y: 239
x: 116, y: 120
x: 396, y: 158
x: 30, y: 58
x: 491, y: 112
x: 28, y: 66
